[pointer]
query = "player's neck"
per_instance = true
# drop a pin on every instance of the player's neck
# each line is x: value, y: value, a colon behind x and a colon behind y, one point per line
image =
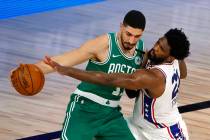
x: 168, y: 60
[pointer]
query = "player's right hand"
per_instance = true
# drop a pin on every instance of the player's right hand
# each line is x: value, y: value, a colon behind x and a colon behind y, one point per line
x: 12, y: 72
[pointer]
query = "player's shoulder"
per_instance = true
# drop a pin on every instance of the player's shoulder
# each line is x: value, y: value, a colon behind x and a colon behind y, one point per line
x: 97, y: 41
x: 101, y: 42
x: 157, y: 72
x: 97, y: 44
x: 101, y: 38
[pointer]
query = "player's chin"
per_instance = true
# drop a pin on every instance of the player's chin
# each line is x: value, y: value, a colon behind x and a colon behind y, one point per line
x: 128, y: 47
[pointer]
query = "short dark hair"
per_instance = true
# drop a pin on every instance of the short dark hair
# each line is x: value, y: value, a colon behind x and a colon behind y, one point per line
x: 135, y: 19
x: 178, y: 43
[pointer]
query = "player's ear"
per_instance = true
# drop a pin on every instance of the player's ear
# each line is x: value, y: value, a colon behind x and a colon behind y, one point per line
x: 170, y: 58
x: 121, y: 26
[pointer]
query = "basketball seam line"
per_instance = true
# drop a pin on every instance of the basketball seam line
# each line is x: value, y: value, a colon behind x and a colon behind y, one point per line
x: 20, y: 81
x: 31, y: 79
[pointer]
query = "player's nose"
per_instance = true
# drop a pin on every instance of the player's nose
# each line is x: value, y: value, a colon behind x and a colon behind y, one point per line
x: 132, y: 40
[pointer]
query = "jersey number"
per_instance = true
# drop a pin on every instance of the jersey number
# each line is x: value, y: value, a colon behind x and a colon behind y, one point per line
x: 118, y: 92
x: 175, y: 83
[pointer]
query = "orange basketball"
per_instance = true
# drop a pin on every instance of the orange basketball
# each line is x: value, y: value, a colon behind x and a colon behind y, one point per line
x: 27, y: 79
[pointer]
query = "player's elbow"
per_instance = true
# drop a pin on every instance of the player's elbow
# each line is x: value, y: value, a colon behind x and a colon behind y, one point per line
x: 183, y: 75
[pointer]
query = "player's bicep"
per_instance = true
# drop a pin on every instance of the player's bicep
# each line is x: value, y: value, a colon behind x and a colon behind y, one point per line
x: 71, y: 58
x: 93, y: 48
x: 88, y: 50
x: 144, y: 78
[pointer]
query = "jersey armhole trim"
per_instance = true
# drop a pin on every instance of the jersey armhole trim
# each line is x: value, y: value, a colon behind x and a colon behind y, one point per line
x: 165, y: 79
x: 109, y: 53
x: 161, y: 71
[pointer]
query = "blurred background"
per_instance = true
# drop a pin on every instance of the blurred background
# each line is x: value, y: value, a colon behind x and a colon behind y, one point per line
x: 29, y: 30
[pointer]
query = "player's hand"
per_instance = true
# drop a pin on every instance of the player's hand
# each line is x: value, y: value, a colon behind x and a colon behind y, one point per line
x: 60, y: 69
x: 11, y: 73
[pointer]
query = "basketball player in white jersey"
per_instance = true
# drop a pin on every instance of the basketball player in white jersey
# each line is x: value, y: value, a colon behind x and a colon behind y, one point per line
x: 155, y: 115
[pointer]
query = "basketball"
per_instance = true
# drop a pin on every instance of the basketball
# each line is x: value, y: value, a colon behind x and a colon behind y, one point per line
x: 27, y: 79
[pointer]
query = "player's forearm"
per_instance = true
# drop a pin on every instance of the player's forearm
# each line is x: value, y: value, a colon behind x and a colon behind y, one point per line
x: 68, y: 59
x: 45, y: 68
x: 183, y: 69
x: 115, y: 79
x: 86, y: 76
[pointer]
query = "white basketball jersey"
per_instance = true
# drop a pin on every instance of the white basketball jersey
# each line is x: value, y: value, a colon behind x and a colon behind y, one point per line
x: 159, y: 112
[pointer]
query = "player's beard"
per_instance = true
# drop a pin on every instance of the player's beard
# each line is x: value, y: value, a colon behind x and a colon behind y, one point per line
x: 126, y: 45
x: 154, y: 59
